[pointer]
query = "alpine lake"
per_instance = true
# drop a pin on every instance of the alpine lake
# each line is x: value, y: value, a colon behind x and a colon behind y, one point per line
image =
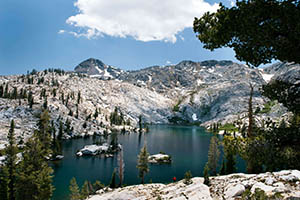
x: 187, y: 146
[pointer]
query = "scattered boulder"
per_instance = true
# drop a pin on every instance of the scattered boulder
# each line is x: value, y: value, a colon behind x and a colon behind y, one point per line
x: 234, y: 190
x: 269, y: 181
x: 259, y: 185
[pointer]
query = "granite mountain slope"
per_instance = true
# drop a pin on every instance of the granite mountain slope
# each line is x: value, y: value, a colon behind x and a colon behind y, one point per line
x: 189, y: 92
x: 204, y: 91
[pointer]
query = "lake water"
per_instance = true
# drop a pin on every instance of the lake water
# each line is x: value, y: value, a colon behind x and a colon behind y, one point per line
x: 188, y: 146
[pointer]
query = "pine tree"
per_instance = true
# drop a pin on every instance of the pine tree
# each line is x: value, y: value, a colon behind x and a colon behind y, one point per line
x: 223, y: 168
x: 206, y: 175
x: 60, y: 131
x: 143, y: 163
x: 11, y: 161
x: 6, y: 94
x: 68, y: 127
x: 213, y: 155
x: 98, y: 185
x: 44, y: 132
x: 74, y: 190
x: 77, y: 112
x: 85, y: 191
x: 63, y: 98
x: 54, y: 92
x: 20, y: 95
x: 1, y: 91
x: 140, y: 123
x: 70, y: 112
x: 188, y: 178
x: 114, y: 141
x: 24, y: 94
x: 45, y: 105
x: 30, y: 99
x: 250, y: 114
x: 14, y: 94
x: 113, y: 183
x: 34, y: 174
x: 96, y: 113
x: 230, y: 151
x: 31, y: 102
x: 78, y: 98
x: 67, y: 100
x: 3, y: 183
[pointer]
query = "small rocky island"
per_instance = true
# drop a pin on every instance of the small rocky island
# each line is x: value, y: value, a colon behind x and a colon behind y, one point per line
x: 159, y: 159
x: 93, y: 150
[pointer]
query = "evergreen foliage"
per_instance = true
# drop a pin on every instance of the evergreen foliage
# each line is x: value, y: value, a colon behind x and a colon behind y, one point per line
x: 96, y: 113
x: 68, y: 128
x: 223, y: 168
x: 250, y: 114
x: 3, y: 183
x: 6, y: 94
x: 14, y: 94
x: 1, y: 91
x: 114, y: 141
x: 45, y: 104
x: 85, y: 190
x: 116, y: 117
x: 188, y: 178
x: 30, y: 99
x: 206, y: 175
x: 143, y: 163
x: 78, y: 98
x: 269, y: 32
x: 230, y: 151
x: 113, y: 183
x: 44, y: 132
x: 140, y: 124
x: 34, y: 174
x: 285, y: 93
x: 74, y: 190
x: 11, y: 162
x: 98, y: 185
x: 213, y: 155
x: 60, y: 131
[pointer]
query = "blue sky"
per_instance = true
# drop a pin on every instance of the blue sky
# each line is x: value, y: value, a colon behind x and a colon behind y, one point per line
x: 56, y: 33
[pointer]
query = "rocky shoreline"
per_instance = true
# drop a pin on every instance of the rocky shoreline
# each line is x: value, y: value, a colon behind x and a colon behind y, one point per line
x: 277, y: 185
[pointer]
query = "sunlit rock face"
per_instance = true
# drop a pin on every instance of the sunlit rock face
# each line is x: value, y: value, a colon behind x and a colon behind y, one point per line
x: 187, y: 92
x: 231, y: 186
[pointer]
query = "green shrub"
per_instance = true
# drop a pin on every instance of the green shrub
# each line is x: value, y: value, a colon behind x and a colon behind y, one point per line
x: 267, y: 107
x: 188, y: 178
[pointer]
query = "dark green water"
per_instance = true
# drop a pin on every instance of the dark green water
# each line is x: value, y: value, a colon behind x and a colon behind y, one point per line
x: 187, y: 145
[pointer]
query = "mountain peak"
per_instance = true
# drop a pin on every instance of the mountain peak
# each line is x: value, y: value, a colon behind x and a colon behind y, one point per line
x: 97, y: 68
x: 89, y: 63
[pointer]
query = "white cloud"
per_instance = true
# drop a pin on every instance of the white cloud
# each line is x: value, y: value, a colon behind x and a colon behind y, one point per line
x: 61, y: 31
x: 147, y: 20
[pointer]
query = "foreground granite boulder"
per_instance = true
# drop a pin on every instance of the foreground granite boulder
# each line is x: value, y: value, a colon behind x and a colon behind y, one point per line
x: 282, y: 185
x: 178, y: 190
